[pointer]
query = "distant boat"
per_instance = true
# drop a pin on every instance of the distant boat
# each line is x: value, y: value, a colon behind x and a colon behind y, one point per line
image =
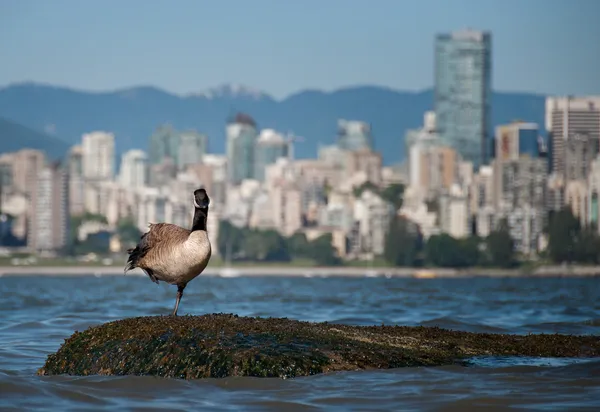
x: 228, y: 271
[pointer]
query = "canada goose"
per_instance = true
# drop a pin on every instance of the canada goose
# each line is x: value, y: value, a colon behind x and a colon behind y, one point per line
x: 173, y: 254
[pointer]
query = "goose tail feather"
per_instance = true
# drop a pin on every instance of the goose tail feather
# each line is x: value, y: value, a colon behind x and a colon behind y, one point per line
x: 136, y: 253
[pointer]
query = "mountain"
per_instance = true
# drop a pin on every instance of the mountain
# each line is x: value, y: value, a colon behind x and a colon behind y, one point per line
x: 132, y: 114
x: 14, y: 136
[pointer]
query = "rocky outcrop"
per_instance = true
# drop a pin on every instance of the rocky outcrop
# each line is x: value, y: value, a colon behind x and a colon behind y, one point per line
x: 221, y: 345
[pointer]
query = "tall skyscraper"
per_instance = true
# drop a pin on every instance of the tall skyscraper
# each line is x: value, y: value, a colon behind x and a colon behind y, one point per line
x: 241, y: 135
x: 49, y: 225
x: 98, y: 155
x: 270, y: 146
x: 354, y: 135
x: 573, y: 125
x: 192, y: 148
x: 6, y: 171
x: 76, y: 181
x: 164, y: 143
x: 26, y: 165
x: 462, y: 97
x: 134, y: 169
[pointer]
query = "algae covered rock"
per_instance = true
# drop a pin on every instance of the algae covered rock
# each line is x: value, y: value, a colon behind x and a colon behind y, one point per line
x: 221, y: 345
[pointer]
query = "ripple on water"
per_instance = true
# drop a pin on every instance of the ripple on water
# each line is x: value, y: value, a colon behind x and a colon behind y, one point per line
x: 38, y: 313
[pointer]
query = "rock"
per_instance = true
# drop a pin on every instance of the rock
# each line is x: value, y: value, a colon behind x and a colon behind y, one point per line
x: 221, y: 345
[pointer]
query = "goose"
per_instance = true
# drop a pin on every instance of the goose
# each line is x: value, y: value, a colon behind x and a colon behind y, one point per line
x: 173, y: 254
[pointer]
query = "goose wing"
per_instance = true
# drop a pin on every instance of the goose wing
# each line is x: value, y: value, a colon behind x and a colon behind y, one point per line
x: 159, y: 236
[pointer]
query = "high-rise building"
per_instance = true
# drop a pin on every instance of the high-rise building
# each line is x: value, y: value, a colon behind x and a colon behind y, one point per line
x: 49, y: 223
x: 454, y: 214
x: 516, y: 139
x: 593, y: 197
x: 241, y: 135
x: 332, y: 155
x: 98, y: 155
x: 192, y: 148
x: 134, y: 169
x: 164, y: 143
x: 432, y: 165
x: 573, y: 125
x: 354, y: 135
x: 76, y: 181
x: 462, y: 97
x: 270, y: 146
x: 365, y: 161
x: 6, y: 171
x: 218, y: 166
x: 27, y: 163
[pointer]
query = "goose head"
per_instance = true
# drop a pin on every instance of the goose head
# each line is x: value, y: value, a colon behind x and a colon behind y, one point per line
x: 201, y: 200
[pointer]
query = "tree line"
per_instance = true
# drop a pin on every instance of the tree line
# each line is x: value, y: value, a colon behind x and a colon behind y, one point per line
x: 405, y: 246
x: 568, y: 241
x: 253, y: 245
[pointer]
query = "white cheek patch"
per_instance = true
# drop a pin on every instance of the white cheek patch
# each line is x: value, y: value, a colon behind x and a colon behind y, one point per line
x: 196, y: 205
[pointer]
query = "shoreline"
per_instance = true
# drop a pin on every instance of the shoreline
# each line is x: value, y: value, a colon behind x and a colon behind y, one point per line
x: 295, y: 271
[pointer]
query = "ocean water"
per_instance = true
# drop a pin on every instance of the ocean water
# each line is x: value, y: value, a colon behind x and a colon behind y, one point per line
x: 38, y: 313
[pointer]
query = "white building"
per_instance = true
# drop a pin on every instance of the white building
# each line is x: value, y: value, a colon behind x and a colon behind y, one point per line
x: 570, y: 118
x: 373, y: 215
x: 98, y: 155
x: 287, y: 208
x: 192, y: 148
x: 416, y: 210
x: 454, y: 213
x: 49, y: 226
x: 593, y: 187
x: 134, y: 169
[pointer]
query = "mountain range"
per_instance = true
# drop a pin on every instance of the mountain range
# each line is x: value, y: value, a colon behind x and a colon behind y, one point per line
x: 14, y: 136
x: 133, y: 113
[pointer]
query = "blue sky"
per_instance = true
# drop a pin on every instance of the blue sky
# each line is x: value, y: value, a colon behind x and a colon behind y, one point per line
x: 183, y: 46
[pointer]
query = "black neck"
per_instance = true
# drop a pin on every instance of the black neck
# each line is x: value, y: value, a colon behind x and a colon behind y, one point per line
x: 199, y: 222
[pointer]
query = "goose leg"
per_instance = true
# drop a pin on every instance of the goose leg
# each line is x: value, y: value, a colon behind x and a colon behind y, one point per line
x: 179, y: 295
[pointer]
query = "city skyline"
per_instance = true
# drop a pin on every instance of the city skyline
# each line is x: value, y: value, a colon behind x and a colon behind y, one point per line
x: 531, y: 56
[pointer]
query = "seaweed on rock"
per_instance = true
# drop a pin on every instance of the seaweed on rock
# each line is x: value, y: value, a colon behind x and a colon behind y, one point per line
x: 220, y: 345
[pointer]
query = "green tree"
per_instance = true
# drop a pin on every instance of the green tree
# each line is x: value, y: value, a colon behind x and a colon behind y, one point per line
x: 500, y: 246
x: 402, y: 245
x: 445, y: 251
x: 587, y: 247
x: 563, y: 233
x: 394, y: 194
x: 365, y: 186
x: 470, y: 253
x: 323, y: 252
x: 298, y: 246
x: 128, y: 232
x: 230, y: 240
x: 267, y: 245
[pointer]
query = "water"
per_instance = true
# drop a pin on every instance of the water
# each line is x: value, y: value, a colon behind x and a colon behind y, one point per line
x: 38, y: 313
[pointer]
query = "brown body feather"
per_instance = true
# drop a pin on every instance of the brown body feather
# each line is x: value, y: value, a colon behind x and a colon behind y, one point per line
x: 170, y: 253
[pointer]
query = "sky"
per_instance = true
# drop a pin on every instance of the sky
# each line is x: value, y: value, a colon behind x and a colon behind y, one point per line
x: 282, y: 47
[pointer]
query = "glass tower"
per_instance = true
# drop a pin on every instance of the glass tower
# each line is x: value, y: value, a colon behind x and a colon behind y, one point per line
x: 192, y: 148
x: 270, y: 146
x: 164, y: 143
x: 462, y: 95
x: 354, y: 135
x: 241, y: 132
